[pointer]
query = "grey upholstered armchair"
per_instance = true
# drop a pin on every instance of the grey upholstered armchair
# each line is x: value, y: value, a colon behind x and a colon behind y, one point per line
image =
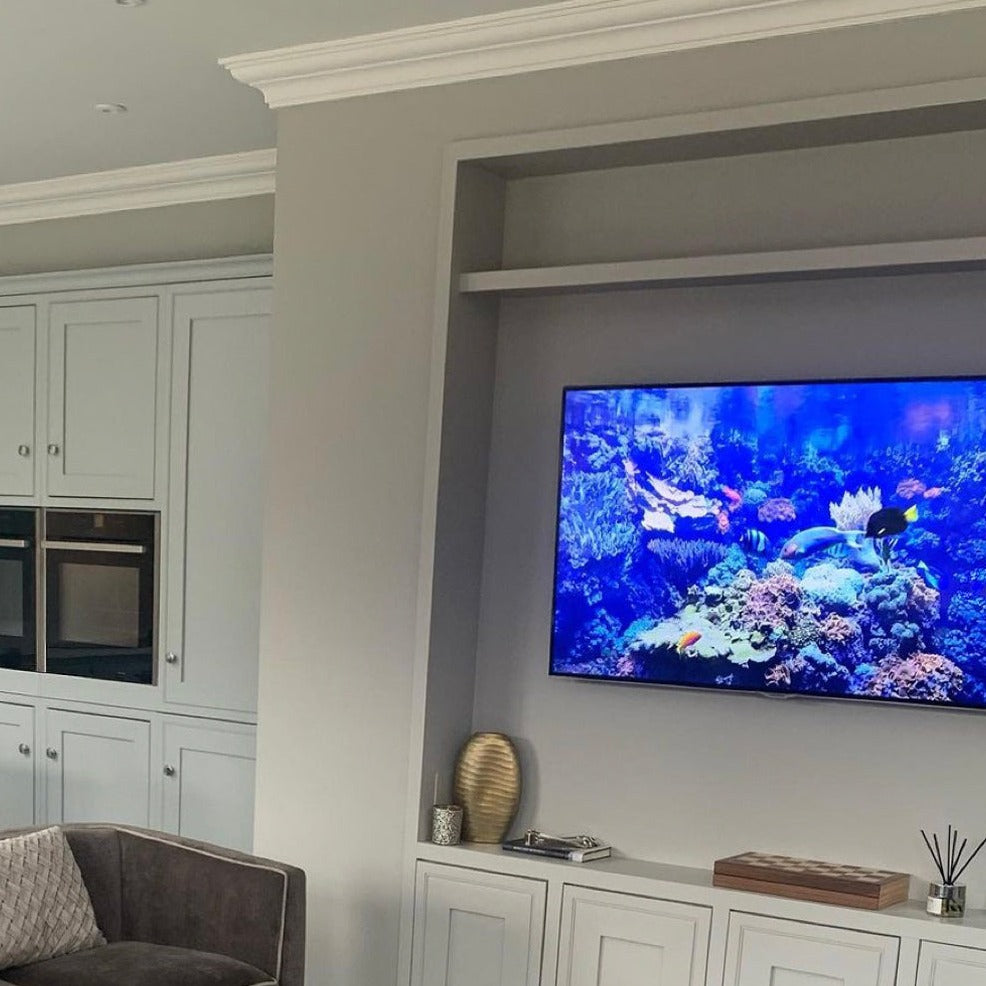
x: 179, y: 913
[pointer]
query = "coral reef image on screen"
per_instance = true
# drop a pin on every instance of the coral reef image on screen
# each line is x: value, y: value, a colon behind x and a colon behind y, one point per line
x: 815, y: 538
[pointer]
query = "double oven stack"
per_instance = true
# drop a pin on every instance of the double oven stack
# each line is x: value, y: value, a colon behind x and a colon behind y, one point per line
x: 78, y: 593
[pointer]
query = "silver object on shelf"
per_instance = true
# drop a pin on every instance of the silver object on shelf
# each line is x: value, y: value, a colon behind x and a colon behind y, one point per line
x: 532, y: 837
x: 946, y: 900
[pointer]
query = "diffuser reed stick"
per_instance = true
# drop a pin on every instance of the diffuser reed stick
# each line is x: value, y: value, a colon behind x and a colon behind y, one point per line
x: 949, y: 865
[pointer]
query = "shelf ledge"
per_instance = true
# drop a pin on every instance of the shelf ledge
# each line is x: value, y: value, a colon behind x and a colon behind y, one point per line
x: 842, y: 261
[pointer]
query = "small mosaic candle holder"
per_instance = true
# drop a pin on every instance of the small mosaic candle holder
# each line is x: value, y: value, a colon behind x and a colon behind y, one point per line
x: 446, y: 825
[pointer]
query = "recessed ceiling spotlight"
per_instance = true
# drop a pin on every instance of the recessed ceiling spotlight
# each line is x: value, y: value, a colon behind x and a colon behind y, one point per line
x: 110, y: 108
x: 130, y: 3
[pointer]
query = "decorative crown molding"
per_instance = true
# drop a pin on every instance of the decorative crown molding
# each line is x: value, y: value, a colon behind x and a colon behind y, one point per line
x: 226, y: 176
x: 554, y: 35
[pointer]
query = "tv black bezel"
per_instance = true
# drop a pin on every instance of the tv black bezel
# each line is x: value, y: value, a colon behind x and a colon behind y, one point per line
x: 886, y: 702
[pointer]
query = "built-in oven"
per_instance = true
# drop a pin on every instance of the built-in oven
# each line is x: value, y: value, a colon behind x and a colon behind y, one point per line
x: 100, y: 588
x: 18, y: 588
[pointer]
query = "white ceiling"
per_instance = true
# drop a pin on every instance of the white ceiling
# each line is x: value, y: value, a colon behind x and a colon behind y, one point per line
x: 60, y: 57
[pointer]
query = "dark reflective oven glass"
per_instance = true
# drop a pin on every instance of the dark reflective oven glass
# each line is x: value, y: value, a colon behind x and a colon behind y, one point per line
x: 100, y: 571
x: 18, y: 589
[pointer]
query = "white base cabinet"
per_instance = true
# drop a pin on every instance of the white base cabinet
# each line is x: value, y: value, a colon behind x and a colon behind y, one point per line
x: 17, y: 781
x: 951, y: 965
x: 476, y: 929
x: 612, y: 939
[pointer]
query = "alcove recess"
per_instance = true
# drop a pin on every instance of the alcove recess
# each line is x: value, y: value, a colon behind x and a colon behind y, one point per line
x: 830, y: 188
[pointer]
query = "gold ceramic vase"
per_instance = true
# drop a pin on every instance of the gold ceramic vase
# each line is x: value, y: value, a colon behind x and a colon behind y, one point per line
x: 487, y: 785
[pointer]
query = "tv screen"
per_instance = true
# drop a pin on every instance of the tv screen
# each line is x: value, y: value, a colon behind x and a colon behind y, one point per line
x: 815, y: 538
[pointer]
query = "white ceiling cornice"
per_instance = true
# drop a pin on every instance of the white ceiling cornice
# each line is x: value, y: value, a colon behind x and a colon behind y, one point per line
x: 226, y: 176
x: 555, y: 35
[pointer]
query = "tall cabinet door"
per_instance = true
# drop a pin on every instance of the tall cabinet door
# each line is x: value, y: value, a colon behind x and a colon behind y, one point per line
x: 106, y: 373
x: 97, y: 768
x: 219, y: 441
x: 17, y: 362
x: 612, y: 939
x: 787, y: 953
x: 476, y: 929
x: 209, y: 782
x: 16, y: 766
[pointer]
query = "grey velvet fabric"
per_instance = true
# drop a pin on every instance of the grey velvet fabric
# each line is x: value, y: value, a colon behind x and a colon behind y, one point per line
x: 138, y: 964
x: 160, y: 890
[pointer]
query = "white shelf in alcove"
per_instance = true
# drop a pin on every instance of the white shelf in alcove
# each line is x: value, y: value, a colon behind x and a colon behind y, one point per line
x: 831, y: 261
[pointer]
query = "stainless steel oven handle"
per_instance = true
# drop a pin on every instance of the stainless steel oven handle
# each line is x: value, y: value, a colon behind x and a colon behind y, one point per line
x: 104, y: 547
x: 14, y: 543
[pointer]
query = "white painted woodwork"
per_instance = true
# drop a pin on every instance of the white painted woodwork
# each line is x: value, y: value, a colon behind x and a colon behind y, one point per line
x: 610, y: 939
x: 17, y: 380
x: 219, y: 442
x: 208, y: 779
x: 951, y: 965
x: 100, y: 768
x: 763, y: 950
x: 103, y: 395
x: 17, y: 785
x: 476, y: 929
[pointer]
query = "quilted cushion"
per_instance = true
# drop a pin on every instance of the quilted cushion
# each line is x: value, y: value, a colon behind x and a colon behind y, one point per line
x: 45, y: 908
x: 134, y: 963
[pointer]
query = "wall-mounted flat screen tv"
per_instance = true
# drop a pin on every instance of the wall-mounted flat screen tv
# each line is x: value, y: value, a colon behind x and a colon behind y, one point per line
x: 813, y: 538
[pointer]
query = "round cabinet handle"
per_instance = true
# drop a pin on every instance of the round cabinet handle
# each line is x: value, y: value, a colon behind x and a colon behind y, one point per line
x: 51, y: 753
x: 24, y: 749
x: 169, y: 771
x: 23, y: 451
x: 53, y: 449
x: 171, y: 657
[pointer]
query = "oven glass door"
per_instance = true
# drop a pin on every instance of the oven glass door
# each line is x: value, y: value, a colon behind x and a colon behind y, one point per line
x: 18, y: 590
x: 99, y: 598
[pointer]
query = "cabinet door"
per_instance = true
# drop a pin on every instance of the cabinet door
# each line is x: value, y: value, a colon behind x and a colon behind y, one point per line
x: 476, y: 929
x: 97, y: 768
x: 763, y: 951
x: 16, y: 766
x: 610, y: 939
x: 17, y: 348
x: 951, y: 965
x: 103, y: 385
x: 209, y: 782
x: 219, y: 441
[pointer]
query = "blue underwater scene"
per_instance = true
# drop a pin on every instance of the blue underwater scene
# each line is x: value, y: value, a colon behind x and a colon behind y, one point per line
x: 814, y: 538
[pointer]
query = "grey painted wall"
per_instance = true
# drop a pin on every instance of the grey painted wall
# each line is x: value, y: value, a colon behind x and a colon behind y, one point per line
x: 682, y: 776
x: 195, y: 231
x: 355, y: 247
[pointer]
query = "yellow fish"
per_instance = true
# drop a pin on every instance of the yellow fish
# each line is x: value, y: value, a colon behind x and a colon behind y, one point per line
x: 687, y: 639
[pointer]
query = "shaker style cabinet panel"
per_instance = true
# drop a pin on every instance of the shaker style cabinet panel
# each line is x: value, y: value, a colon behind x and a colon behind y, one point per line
x: 16, y: 766
x: 476, y: 929
x: 612, y: 939
x: 97, y: 768
x: 219, y: 430
x: 950, y: 965
x: 106, y: 374
x: 771, y: 952
x: 209, y: 782
x: 17, y: 380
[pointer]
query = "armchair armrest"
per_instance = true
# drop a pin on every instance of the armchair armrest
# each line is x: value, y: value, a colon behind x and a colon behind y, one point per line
x: 190, y: 894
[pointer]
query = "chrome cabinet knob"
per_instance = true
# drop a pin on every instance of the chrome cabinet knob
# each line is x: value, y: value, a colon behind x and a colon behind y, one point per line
x: 24, y: 749
x: 51, y: 753
x: 171, y: 657
x: 23, y: 451
x: 53, y: 449
x: 169, y: 771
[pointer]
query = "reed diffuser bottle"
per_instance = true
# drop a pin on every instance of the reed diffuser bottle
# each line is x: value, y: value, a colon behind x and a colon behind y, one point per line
x: 946, y: 899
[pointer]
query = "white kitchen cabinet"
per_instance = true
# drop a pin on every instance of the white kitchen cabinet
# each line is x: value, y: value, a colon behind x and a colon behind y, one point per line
x: 208, y: 778
x: 951, y: 965
x: 107, y: 373
x: 17, y: 783
x: 765, y: 951
x: 97, y: 768
x: 611, y: 939
x: 219, y: 430
x: 17, y: 405
x: 473, y: 928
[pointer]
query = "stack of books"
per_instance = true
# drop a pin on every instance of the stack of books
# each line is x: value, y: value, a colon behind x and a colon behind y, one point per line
x: 574, y: 848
